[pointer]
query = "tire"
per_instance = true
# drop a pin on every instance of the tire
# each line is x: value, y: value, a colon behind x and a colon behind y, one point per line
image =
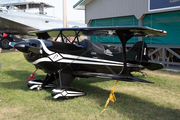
x: 66, y: 93
x: 5, y: 42
x: 36, y: 84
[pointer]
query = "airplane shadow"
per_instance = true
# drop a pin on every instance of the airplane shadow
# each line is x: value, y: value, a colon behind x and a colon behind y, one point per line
x: 21, y: 77
x: 126, y: 104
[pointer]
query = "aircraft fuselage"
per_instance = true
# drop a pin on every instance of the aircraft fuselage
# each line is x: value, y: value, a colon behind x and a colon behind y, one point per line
x: 54, y: 56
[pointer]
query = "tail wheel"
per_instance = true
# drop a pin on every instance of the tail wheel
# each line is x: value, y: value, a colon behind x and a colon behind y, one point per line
x: 5, y: 42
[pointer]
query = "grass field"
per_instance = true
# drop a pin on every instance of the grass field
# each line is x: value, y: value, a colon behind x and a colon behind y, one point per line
x: 135, y: 101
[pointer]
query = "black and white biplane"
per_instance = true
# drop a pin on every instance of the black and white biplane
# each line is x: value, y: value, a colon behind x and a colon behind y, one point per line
x: 63, y: 61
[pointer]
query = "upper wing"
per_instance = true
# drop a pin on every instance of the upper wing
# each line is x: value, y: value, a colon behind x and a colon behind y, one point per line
x: 103, y: 31
x: 108, y: 76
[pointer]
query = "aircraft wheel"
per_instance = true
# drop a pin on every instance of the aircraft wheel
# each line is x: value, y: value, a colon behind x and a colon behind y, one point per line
x: 37, y: 83
x: 66, y: 93
x: 145, y: 75
x: 5, y: 42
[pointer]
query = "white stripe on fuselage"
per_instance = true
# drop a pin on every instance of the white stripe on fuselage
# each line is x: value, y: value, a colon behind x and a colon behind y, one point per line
x: 87, y: 62
x: 87, y: 58
x: 45, y: 59
x: 45, y: 48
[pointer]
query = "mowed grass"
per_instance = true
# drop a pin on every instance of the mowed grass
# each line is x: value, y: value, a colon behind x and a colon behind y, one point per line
x: 135, y: 101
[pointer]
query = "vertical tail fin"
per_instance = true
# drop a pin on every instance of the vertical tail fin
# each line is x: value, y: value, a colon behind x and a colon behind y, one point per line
x: 138, y: 52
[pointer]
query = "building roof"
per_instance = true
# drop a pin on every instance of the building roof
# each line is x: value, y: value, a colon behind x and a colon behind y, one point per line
x: 80, y: 5
x: 22, y: 5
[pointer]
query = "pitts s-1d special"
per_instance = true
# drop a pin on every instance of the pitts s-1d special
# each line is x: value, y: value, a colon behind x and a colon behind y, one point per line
x: 63, y: 61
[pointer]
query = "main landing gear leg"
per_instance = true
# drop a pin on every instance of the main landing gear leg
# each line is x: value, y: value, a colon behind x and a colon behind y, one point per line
x: 64, y: 92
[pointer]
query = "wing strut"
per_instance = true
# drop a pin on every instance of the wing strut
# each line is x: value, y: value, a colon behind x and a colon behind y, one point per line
x: 76, y: 37
x: 124, y: 38
x: 65, y: 37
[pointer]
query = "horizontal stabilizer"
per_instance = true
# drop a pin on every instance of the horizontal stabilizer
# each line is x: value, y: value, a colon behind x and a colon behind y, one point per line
x: 107, y: 76
x: 152, y: 65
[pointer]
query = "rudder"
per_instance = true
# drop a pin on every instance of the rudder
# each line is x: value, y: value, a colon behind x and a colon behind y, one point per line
x: 138, y: 52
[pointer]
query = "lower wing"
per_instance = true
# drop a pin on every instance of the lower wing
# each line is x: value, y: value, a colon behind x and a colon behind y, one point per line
x: 108, y: 76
